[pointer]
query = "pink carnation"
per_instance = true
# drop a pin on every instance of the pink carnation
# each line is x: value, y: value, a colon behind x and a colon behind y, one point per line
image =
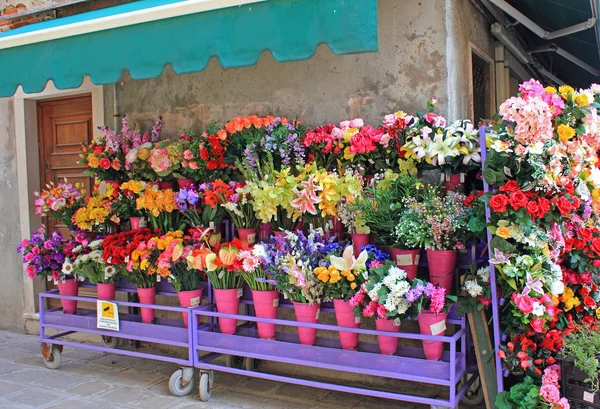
x: 370, y: 309
x: 550, y: 393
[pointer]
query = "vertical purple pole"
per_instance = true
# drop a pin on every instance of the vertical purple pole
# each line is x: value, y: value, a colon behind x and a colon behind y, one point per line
x: 452, y: 397
x: 495, y: 312
x: 42, y: 310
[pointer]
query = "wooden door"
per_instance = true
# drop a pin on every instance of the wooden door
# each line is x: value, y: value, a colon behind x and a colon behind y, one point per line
x: 63, y: 125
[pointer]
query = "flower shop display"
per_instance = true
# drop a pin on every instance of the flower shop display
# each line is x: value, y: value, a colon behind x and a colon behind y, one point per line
x: 238, y: 204
x: 126, y: 203
x: 88, y: 263
x: 341, y: 280
x: 294, y: 258
x: 201, y: 206
x: 59, y: 202
x: 223, y: 269
x: 103, y: 158
x: 430, y: 303
x: 256, y: 274
x: 384, y: 296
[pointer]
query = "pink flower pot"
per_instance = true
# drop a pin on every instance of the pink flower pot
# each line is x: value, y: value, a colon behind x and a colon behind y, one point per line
x: 183, y: 183
x: 344, y: 315
x: 441, y: 268
x: 453, y: 182
x: 387, y: 345
x: 359, y: 240
x: 265, y: 306
x: 306, y: 312
x: 264, y: 231
x: 106, y: 291
x: 432, y: 324
x: 189, y: 299
x: 69, y: 288
x: 147, y: 296
x: 228, y: 302
x: 167, y: 184
x: 247, y: 235
x: 407, y: 260
x: 135, y: 223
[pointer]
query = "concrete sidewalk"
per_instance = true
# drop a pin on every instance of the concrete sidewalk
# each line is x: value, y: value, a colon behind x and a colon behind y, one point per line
x: 89, y: 379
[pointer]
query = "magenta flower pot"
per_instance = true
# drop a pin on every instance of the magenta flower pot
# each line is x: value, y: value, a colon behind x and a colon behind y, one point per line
x: 69, y: 288
x: 189, y: 299
x: 306, y: 312
x: 344, y: 315
x: 135, y: 223
x: 387, y: 345
x: 453, y: 182
x: 359, y: 240
x: 432, y: 324
x: 264, y: 231
x: 407, y: 260
x: 228, y: 302
x: 147, y: 296
x: 247, y: 235
x: 266, y: 304
x: 183, y: 183
x: 441, y: 268
x: 106, y: 291
x: 167, y: 184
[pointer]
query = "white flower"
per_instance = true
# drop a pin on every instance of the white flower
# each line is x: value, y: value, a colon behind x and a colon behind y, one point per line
x: 259, y: 251
x: 95, y: 244
x: 484, y: 273
x: 373, y: 294
x: 400, y: 289
x: 403, y: 306
x: 582, y: 191
x: 397, y: 273
x: 473, y: 288
x: 77, y: 249
x: 67, y: 267
x: 390, y: 304
x: 109, y: 271
x: 595, y: 88
x: 538, y: 309
x: 557, y: 288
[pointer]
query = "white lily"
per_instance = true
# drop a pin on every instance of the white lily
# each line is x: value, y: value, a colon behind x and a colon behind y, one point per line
x: 441, y: 148
x: 348, y: 261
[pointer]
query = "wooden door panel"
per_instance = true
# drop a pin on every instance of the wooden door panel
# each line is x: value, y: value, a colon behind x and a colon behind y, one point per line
x: 69, y: 132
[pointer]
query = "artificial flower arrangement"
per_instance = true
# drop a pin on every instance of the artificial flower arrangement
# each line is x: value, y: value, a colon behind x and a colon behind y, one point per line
x: 342, y: 275
x: 475, y: 292
x: 45, y: 254
x: 202, y: 206
x: 103, y: 158
x: 98, y: 215
x: 137, y: 147
x: 59, y: 201
x: 165, y: 159
x: 88, y: 263
x: 203, y: 156
x: 419, y: 132
x: 238, y: 204
x: 160, y: 206
x: 126, y: 203
x: 242, y: 135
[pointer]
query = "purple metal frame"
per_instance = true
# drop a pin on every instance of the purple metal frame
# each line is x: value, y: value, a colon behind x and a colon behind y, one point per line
x: 493, y: 283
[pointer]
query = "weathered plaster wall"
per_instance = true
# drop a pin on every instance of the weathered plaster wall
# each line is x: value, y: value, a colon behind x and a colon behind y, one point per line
x: 11, y: 272
x: 408, y: 70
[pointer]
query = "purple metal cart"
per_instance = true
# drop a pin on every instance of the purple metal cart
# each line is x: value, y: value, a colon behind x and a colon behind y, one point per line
x: 164, y: 331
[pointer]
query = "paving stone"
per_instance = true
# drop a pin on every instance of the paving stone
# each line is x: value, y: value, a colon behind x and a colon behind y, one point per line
x: 159, y: 402
x: 299, y: 393
x: 123, y: 395
x: 7, y: 366
x: 90, y: 387
x: 241, y: 400
x: 34, y: 396
x: 75, y: 404
x: 60, y: 381
x: 334, y: 399
x: 137, y: 379
x: 9, y: 388
x: 27, y: 375
x: 261, y: 386
x: 376, y: 403
x: 114, y: 361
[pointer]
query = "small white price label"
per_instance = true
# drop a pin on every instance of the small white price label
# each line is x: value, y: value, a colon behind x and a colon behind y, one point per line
x: 462, y: 178
x: 195, y: 301
x: 317, y: 315
x: 588, y: 397
x: 397, y: 322
x: 438, y: 327
x: 158, y: 279
x: 251, y: 239
x: 404, y: 260
x: 276, y: 302
x: 417, y: 259
x: 357, y: 320
x: 240, y: 292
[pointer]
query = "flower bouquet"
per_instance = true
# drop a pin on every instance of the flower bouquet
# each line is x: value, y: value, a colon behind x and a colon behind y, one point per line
x: 223, y: 269
x: 323, y: 146
x: 293, y: 259
x: 126, y: 204
x: 384, y: 295
x: 238, y: 205
x: 59, y: 202
x: 136, y: 148
x: 340, y: 279
x: 165, y: 159
x: 475, y: 292
x: 201, y: 207
x: 88, y: 263
x: 429, y: 304
x: 98, y: 215
x: 49, y: 256
x: 160, y: 206
x: 103, y: 158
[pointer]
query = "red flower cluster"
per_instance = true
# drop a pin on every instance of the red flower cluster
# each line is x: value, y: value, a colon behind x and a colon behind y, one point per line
x: 366, y: 139
x: 117, y: 248
x: 217, y: 192
x: 213, y: 152
x: 324, y: 138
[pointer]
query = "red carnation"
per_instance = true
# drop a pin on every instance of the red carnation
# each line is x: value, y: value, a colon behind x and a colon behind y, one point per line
x: 517, y: 200
x: 105, y: 163
x: 499, y: 203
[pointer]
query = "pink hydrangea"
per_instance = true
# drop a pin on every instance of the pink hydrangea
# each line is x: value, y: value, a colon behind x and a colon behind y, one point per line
x: 532, y: 116
x: 381, y: 311
x: 159, y: 160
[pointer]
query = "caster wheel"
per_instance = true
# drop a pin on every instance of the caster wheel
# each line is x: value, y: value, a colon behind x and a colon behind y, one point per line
x: 178, y: 386
x: 110, y: 342
x: 252, y: 364
x: 474, y: 395
x: 54, y: 359
x: 234, y: 361
x: 205, y: 386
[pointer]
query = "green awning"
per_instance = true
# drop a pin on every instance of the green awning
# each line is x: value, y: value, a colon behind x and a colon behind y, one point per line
x: 290, y: 29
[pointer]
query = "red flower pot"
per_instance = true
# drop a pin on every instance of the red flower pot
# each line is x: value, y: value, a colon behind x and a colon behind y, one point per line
x: 264, y: 231
x: 344, y: 315
x: 387, y: 345
x: 453, y: 182
x: 265, y: 306
x: 441, y: 268
x: 306, y: 312
x: 166, y: 184
x: 136, y: 223
x: 147, y: 296
x: 359, y: 240
x: 228, y: 302
x: 183, y: 183
x: 407, y: 260
x: 247, y: 235
x: 106, y: 291
x: 189, y: 299
x: 69, y: 288
x: 432, y: 324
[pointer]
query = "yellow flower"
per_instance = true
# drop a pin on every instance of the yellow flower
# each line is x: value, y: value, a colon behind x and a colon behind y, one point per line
x: 582, y: 100
x: 347, y: 154
x: 503, y: 232
x: 598, y: 313
x: 565, y: 132
x: 550, y: 90
x: 93, y: 161
x: 353, y: 286
x: 572, y: 302
x: 144, y: 264
x: 350, y: 277
x: 349, y: 133
x: 565, y: 90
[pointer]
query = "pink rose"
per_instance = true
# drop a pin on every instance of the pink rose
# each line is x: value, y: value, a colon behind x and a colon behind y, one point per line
x: 188, y: 155
x: 523, y: 303
x: 193, y: 165
x: 31, y: 271
x: 537, y: 324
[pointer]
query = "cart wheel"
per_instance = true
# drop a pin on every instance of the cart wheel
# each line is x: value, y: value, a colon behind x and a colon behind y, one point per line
x: 234, y: 361
x: 474, y: 395
x: 178, y: 386
x: 252, y: 364
x: 110, y: 342
x: 205, y: 386
x: 54, y: 359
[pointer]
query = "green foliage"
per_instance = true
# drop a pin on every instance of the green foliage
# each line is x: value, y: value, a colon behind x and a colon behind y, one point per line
x: 524, y: 395
x: 584, y: 346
